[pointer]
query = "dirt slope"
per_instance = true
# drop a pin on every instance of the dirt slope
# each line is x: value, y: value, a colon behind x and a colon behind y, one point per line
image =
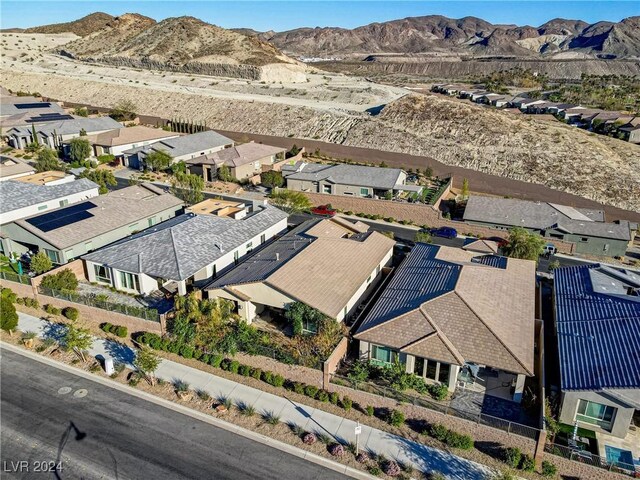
x: 81, y: 27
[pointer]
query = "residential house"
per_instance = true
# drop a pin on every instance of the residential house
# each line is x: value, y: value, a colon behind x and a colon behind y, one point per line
x: 220, y: 208
x: 574, y: 115
x: 70, y: 231
x: 584, y: 227
x: 597, y: 326
x: 558, y: 108
x: 630, y: 133
x: 186, y: 250
x: 50, y: 177
x: 181, y: 148
x: 244, y: 161
x: 53, y: 133
x: 494, y: 99
x: 24, y: 199
x: 528, y: 103
x: 14, y: 109
x: 328, y: 264
x: 12, y: 168
x: 456, y: 317
x: 116, y: 142
x: 343, y: 179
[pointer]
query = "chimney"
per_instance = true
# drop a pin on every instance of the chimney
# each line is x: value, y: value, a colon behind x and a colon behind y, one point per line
x: 277, y: 256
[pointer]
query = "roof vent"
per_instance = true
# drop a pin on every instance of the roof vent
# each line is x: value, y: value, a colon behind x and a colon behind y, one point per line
x: 277, y: 256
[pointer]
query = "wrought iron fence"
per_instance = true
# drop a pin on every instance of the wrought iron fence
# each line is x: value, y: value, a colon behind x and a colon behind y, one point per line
x: 14, y: 277
x: 589, y: 458
x: 480, y: 418
x: 149, y: 314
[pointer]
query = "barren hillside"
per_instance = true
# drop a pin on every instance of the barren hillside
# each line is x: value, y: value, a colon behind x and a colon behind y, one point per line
x: 81, y: 27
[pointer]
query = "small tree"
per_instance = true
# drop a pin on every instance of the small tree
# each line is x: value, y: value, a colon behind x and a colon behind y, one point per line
x: 41, y: 263
x: 525, y: 245
x: 158, y: 160
x: 83, y: 132
x: 224, y: 174
x: 8, y: 315
x: 47, y: 159
x: 104, y: 178
x: 465, y: 189
x: 81, y: 112
x: 428, y: 172
x: 272, y: 179
x: 147, y: 363
x: 423, y: 237
x: 290, y: 201
x: 303, y: 317
x: 64, y: 280
x: 77, y: 339
x: 188, y: 187
x: 124, y: 110
x: 79, y: 149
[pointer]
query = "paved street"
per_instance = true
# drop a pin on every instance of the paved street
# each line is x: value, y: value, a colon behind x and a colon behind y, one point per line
x: 98, y: 432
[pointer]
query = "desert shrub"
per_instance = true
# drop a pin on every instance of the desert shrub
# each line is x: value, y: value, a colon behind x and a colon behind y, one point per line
x: 347, y: 403
x: 370, y: 410
x: 245, y: 370
x: 197, y: 354
x: 186, y: 351
x: 106, y: 327
x: 374, y: 470
x: 51, y: 310
x: 267, y: 377
x: 323, y: 396
x: 215, y: 360
x: 512, y: 457
x: 181, y: 386
x: 173, y: 347
x: 63, y: 280
x: 202, y: 395
x: 71, y: 313
x: 311, y: 391
x: 438, y: 392
x: 299, y: 388
x: 363, y: 457
x: 30, y: 302
x: 334, y: 397
x: 396, y: 418
x: 309, y: 438
x: 458, y: 440
x: 121, y: 331
x: 527, y: 463
x: 336, y: 450
x: 234, y: 366
x: 391, y: 468
x: 205, y: 358
x: 439, y: 432
x: 278, y: 381
x: 548, y: 469
x: 256, y: 373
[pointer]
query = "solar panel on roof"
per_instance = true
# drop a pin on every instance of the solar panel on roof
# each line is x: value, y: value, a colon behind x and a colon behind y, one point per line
x: 49, y: 118
x: 25, y: 106
x: 63, y: 217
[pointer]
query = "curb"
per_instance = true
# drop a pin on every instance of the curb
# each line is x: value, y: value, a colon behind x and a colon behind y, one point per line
x: 243, y: 432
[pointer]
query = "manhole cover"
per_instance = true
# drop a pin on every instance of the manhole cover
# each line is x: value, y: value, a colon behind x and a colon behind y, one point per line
x: 64, y: 390
x: 80, y: 393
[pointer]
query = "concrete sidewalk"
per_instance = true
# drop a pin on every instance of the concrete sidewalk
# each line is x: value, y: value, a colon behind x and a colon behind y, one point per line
x: 401, y: 449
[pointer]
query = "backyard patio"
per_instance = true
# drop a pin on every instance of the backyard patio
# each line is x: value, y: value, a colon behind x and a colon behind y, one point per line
x: 155, y: 300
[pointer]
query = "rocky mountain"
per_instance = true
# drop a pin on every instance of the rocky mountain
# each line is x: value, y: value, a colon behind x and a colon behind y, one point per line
x: 81, y: 27
x: 469, y: 35
x: 184, y: 44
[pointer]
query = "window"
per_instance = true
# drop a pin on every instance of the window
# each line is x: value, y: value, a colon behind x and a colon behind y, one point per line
x: 584, y: 239
x: 42, y: 207
x: 418, y: 366
x: 236, y: 255
x: 102, y: 274
x: 249, y: 246
x: 369, y: 279
x: 64, y: 203
x: 129, y: 281
x: 432, y: 370
x: 595, y: 413
x: 309, y: 326
x: 383, y: 354
x: 364, y: 192
x: 263, y: 238
x: 326, y: 189
x: 152, y: 221
x: 53, y: 255
x: 443, y: 375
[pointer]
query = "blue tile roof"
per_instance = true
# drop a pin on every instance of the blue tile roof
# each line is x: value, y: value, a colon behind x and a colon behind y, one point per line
x: 598, y: 328
x: 491, y: 261
x: 419, y: 278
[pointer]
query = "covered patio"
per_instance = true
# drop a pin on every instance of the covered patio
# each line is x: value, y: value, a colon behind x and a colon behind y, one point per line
x: 490, y: 381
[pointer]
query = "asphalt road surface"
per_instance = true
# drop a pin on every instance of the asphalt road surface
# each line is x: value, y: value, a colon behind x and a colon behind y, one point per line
x: 96, y: 432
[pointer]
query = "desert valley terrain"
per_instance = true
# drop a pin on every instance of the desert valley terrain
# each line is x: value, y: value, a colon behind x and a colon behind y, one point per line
x: 238, y: 81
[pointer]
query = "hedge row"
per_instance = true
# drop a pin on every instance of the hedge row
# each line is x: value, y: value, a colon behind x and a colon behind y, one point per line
x: 118, y: 330
x: 28, y: 302
x: 449, y: 437
x: 217, y: 360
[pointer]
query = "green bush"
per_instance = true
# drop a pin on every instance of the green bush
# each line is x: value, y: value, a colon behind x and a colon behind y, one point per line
x: 106, y: 327
x: 197, y: 354
x: 30, y: 302
x: 438, y: 392
x: 439, y: 432
x: 61, y: 281
x: 121, y: 331
x: 51, y: 310
x: 186, y: 351
x: 216, y: 361
x: 396, y: 418
x: 234, y: 366
x: 245, y: 370
x: 267, y: 377
x: 512, y: 457
x: 528, y: 464
x: 347, y: 403
x: 323, y: 396
x: 71, y: 313
x: 370, y: 410
x: 334, y: 397
x: 173, y: 347
x: 256, y: 373
x: 205, y: 358
x: 278, y: 381
x: 457, y: 440
x: 548, y: 469
x: 299, y: 388
x: 311, y: 391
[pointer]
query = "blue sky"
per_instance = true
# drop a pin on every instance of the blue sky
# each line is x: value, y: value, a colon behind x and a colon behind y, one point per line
x: 278, y: 15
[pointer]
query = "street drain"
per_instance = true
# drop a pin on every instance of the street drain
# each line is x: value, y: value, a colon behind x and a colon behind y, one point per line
x: 80, y: 393
x: 64, y: 390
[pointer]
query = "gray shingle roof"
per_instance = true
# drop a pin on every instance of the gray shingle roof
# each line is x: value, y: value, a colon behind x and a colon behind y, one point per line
x: 69, y: 127
x: 15, y: 194
x: 178, y: 248
x: 343, y: 174
x: 187, y: 144
x: 541, y: 216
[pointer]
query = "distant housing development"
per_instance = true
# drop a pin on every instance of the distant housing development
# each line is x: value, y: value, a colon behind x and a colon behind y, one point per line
x: 456, y: 317
x: 586, y: 228
x: 597, y: 314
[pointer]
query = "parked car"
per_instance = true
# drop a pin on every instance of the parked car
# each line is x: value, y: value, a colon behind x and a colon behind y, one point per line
x: 549, y: 249
x: 324, y: 210
x: 445, y: 232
